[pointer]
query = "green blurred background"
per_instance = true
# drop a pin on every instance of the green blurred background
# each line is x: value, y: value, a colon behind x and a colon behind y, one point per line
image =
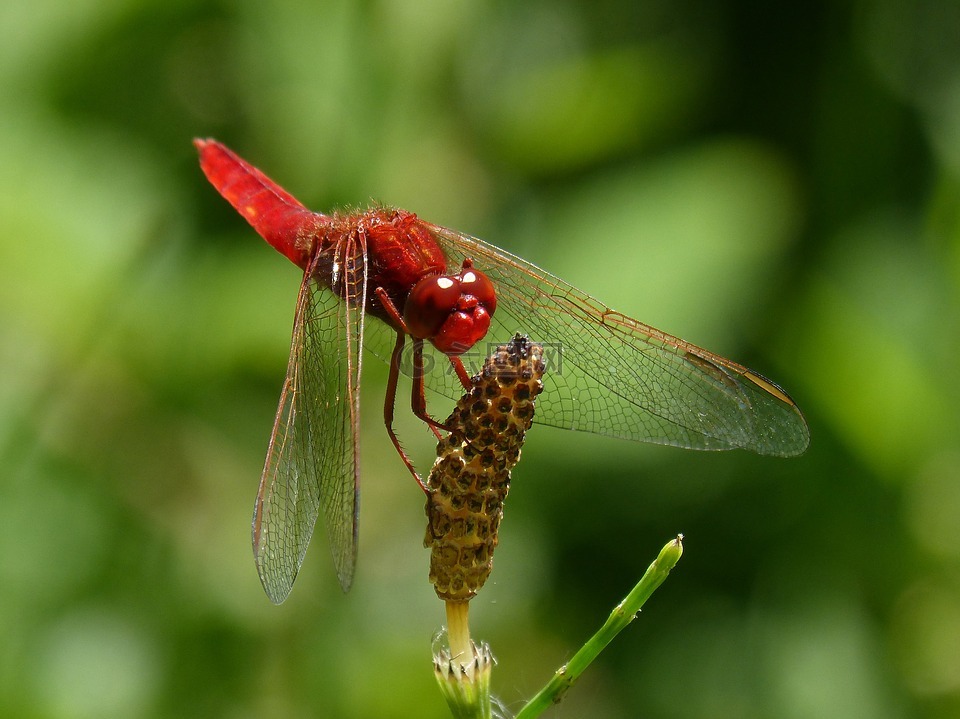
x: 778, y: 184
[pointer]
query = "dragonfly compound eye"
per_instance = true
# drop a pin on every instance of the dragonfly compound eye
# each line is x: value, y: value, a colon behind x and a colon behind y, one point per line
x: 430, y: 303
x: 476, y: 284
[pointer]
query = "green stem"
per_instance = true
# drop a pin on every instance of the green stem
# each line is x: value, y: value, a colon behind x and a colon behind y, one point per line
x: 619, y: 618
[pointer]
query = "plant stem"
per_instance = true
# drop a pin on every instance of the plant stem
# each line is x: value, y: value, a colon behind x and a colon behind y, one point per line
x: 619, y: 618
x: 458, y: 632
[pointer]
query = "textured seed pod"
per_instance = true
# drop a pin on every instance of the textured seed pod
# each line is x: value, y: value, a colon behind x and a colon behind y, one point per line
x: 470, y: 479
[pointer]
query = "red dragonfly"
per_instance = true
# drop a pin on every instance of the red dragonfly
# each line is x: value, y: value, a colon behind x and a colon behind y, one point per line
x: 609, y: 374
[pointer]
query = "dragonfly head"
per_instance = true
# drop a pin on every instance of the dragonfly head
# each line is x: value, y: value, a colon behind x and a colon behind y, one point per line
x: 452, y: 311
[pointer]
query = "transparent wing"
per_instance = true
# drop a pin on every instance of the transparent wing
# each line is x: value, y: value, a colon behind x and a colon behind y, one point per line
x: 612, y: 375
x: 313, y: 456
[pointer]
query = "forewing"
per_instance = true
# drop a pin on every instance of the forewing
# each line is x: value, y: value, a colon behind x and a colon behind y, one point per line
x: 612, y: 375
x: 313, y: 456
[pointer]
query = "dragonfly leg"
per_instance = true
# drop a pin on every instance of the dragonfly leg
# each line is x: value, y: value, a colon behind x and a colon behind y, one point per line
x: 461, y: 371
x: 419, y: 400
x: 392, y: 311
x: 389, y: 404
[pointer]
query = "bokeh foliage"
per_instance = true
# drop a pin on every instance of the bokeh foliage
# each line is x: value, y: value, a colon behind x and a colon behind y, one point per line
x: 779, y: 184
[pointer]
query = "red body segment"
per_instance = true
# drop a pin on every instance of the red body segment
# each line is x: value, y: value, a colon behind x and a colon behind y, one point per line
x: 273, y: 212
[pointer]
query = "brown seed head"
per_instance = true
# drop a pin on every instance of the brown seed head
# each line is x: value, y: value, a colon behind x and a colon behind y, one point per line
x: 471, y: 476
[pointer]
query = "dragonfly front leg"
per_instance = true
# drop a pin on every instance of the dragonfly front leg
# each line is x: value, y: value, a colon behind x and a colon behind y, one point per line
x: 461, y: 371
